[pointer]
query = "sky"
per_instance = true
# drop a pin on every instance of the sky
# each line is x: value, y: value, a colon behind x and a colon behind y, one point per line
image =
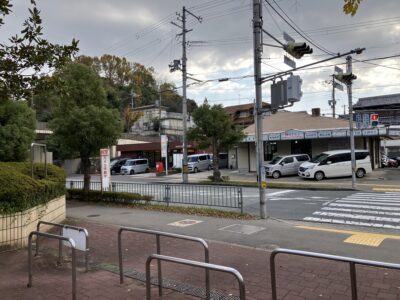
x: 221, y: 46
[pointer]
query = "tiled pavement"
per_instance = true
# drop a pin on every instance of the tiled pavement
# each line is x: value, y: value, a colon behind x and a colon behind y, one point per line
x: 297, y: 278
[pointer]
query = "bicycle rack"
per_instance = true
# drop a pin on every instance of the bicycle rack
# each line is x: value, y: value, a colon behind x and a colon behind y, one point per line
x: 158, y: 234
x: 192, y: 263
x: 62, y: 226
x: 60, y: 238
x: 352, y: 262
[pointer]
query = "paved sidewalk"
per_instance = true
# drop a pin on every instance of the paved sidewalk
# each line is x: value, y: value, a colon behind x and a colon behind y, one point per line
x: 297, y: 278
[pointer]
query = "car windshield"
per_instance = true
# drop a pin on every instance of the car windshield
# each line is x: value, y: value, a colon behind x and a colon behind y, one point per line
x: 193, y: 159
x: 275, y: 160
x: 112, y: 163
x: 319, y: 158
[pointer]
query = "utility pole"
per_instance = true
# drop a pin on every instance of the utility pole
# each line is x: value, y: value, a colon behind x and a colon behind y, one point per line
x: 182, y: 18
x: 333, y: 96
x: 349, y: 70
x: 257, y: 32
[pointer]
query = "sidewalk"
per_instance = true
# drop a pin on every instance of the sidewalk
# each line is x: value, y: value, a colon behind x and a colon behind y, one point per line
x: 297, y: 278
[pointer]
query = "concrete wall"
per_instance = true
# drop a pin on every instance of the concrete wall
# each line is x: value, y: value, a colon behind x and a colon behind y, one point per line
x: 15, y: 228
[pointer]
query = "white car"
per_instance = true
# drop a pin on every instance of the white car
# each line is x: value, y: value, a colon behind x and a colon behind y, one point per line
x: 199, y: 162
x: 134, y: 166
x: 337, y: 163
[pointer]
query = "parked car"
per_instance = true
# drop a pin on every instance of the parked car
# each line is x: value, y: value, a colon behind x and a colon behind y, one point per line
x: 336, y: 164
x: 285, y: 165
x: 199, y: 162
x: 115, y: 165
x: 389, y: 162
x: 135, y: 166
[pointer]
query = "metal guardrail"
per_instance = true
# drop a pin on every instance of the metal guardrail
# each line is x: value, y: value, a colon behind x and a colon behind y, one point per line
x: 57, y: 237
x: 61, y: 226
x: 158, y: 234
x: 352, y: 262
x: 192, y: 263
x: 205, y: 195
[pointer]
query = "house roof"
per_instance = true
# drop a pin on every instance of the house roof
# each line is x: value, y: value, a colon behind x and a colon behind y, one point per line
x: 393, y: 99
x: 241, y: 107
x: 286, y: 120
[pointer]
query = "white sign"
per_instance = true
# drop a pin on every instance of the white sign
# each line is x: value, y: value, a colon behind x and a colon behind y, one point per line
x: 325, y: 134
x: 164, y: 146
x: 311, y: 135
x: 339, y: 133
x: 78, y: 236
x: 274, y: 136
x: 292, y: 135
x: 394, y: 132
x: 105, y: 168
x: 370, y: 132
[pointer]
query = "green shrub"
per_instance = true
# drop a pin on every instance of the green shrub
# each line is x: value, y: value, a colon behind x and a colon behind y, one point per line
x: 112, y: 197
x: 18, y: 191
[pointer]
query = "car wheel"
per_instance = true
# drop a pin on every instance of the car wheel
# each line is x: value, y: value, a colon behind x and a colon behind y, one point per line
x: 131, y: 172
x: 276, y: 174
x: 319, y: 176
x: 195, y: 170
x: 360, y: 173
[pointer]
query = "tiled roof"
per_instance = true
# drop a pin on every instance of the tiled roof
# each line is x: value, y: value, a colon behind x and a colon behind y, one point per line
x: 393, y: 99
x: 242, y: 107
x: 286, y: 120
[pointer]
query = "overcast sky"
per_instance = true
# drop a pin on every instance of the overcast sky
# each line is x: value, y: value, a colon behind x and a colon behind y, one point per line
x: 222, y: 46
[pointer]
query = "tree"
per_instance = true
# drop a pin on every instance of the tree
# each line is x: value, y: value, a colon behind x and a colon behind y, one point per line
x: 130, y: 117
x: 82, y: 123
x: 26, y: 56
x: 17, y: 130
x: 351, y: 6
x: 214, y: 128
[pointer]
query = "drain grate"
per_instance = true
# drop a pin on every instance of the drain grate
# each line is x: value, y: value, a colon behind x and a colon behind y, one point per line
x: 170, y: 284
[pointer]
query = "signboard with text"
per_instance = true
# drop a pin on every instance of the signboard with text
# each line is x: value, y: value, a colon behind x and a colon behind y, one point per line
x: 164, y: 146
x: 105, y: 168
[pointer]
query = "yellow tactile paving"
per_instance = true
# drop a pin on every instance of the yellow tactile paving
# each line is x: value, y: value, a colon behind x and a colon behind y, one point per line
x: 386, y: 189
x: 356, y: 237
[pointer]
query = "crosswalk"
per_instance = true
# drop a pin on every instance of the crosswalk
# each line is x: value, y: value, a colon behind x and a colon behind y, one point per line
x: 381, y: 210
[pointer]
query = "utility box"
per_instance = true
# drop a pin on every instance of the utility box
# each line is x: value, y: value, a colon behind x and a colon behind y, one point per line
x: 294, y: 92
x: 279, y: 95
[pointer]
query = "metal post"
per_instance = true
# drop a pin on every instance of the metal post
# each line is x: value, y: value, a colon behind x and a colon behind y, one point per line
x: 159, y: 266
x: 121, y: 270
x: 353, y: 280
x: 30, y: 260
x: 273, y: 275
x: 333, y: 97
x: 240, y: 195
x: 351, y: 125
x: 257, y: 32
x: 73, y: 273
x: 184, y: 100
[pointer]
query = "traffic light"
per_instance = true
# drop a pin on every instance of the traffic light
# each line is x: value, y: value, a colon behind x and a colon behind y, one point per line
x: 297, y: 50
x: 374, y: 120
x: 345, y: 78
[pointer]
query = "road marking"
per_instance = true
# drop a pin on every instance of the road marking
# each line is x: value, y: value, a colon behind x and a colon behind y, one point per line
x: 386, y: 189
x: 280, y: 193
x: 356, y: 237
x: 360, y: 217
x: 185, y: 223
x: 347, y: 222
x: 362, y: 211
x: 386, y: 203
x: 365, y: 206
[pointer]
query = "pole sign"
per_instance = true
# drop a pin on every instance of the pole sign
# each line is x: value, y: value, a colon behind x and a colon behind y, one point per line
x: 105, y: 168
x: 164, y: 146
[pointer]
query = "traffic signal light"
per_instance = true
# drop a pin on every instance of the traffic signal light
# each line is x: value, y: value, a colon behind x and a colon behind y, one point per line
x: 374, y: 120
x: 345, y: 78
x: 297, y: 50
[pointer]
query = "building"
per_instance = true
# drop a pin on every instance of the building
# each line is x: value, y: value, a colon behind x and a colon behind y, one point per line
x: 299, y: 132
x: 243, y: 115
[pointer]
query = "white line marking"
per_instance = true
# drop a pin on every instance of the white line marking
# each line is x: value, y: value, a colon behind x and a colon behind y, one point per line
x: 280, y: 192
x: 365, y: 206
x: 369, y: 202
x: 361, y: 211
x: 361, y: 217
x: 346, y: 222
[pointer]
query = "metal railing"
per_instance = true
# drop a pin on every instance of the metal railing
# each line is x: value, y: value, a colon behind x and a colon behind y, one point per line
x: 204, y: 195
x: 57, y: 237
x: 192, y: 263
x: 352, y: 262
x: 60, y: 246
x: 158, y: 234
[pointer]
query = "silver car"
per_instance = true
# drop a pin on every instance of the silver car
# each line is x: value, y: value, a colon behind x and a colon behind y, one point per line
x: 285, y: 165
x: 134, y: 166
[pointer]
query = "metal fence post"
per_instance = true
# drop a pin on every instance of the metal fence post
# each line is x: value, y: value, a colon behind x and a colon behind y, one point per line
x: 167, y: 194
x: 240, y: 195
x: 113, y: 186
x: 71, y: 185
x: 159, y: 266
x: 353, y: 280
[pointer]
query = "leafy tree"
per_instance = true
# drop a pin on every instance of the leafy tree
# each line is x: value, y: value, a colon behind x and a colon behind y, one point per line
x: 130, y: 117
x: 82, y: 123
x: 214, y: 128
x: 17, y: 130
x: 23, y: 59
x: 351, y: 6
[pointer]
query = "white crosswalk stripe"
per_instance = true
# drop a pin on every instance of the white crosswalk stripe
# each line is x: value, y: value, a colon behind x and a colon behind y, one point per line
x: 381, y: 210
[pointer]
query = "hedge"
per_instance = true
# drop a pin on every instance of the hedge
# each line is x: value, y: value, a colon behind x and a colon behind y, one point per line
x: 110, y: 197
x: 19, y: 191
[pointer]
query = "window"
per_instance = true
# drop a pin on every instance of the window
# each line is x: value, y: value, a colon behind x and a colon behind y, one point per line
x: 302, y: 158
x: 203, y: 157
x: 288, y: 160
x: 361, y: 155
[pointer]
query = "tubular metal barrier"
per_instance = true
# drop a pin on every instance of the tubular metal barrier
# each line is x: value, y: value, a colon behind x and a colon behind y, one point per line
x: 57, y: 237
x: 158, y: 234
x: 62, y: 226
x: 192, y: 263
x: 352, y: 262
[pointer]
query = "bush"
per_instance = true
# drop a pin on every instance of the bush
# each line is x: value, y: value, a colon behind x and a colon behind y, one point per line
x: 19, y: 191
x: 111, y: 197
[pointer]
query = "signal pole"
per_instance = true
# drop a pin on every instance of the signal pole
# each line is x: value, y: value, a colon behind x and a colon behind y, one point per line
x: 333, y: 97
x: 182, y: 18
x: 257, y: 32
x: 349, y: 70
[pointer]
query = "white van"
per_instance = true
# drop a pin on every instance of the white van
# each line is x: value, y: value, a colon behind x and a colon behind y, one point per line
x: 134, y: 166
x: 336, y: 164
x: 199, y: 162
x: 285, y: 165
